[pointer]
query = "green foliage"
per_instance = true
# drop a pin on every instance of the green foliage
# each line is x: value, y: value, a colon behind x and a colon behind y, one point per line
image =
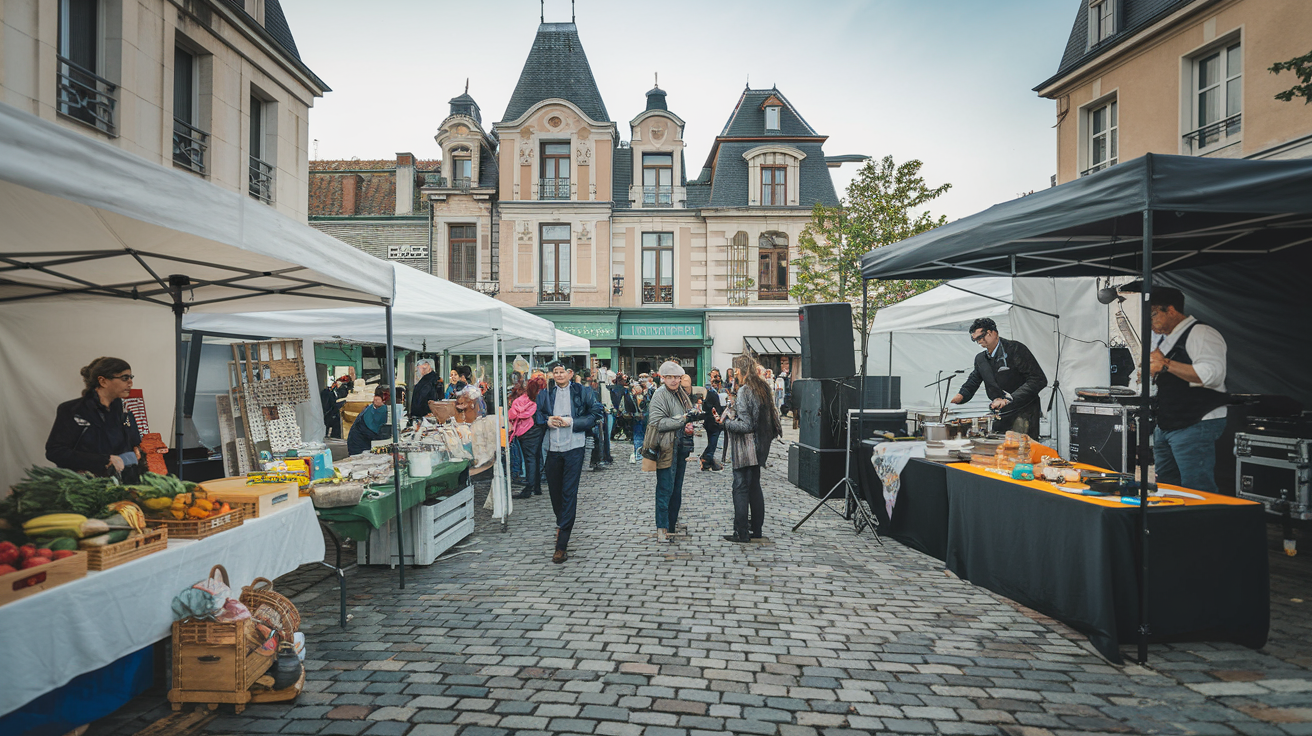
x: 884, y: 205
x: 1301, y: 66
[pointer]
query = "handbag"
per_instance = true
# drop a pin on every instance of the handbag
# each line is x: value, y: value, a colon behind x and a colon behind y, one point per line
x: 650, y: 452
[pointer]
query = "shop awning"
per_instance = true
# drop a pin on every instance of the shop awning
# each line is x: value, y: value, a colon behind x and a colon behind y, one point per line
x: 774, y: 345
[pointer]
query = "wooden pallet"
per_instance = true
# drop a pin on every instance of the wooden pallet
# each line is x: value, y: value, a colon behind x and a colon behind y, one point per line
x: 113, y: 555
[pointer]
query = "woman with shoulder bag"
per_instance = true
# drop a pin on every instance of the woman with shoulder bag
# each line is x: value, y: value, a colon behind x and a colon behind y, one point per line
x: 523, y: 420
x: 669, y: 438
x: 752, y: 423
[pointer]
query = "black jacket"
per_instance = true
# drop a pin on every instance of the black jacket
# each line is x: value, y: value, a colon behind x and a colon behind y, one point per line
x: 709, y: 404
x: 427, y: 389
x: 1014, y: 371
x: 86, y: 433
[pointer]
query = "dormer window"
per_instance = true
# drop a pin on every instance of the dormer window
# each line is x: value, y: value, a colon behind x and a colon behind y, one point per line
x: 1102, y: 20
x: 772, y: 117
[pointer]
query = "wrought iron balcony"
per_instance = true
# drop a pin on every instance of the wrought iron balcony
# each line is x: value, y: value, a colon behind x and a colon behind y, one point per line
x: 84, y: 96
x: 1099, y: 167
x: 189, y: 145
x: 261, y: 186
x: 462, y: 183
x: 557, y: 294
x: 657, y: 293
x: 490, y: 288
x: 553, y: 189
x: 771, y: 292
x: 1209, y: 135
x: 658, y: 196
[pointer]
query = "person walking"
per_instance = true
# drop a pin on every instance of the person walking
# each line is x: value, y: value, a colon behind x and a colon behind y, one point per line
x: 636, y: 405
x: 524, y: 422
x: 669, y: 432
x: 753, y: 424
x: 569, y: 410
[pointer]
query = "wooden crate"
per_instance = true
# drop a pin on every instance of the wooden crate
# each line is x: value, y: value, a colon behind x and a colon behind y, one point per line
x: 22, y: 583
x: 216, y: 662
x: 202, y: 528
x: 113, y: 555
x: 258, y: 500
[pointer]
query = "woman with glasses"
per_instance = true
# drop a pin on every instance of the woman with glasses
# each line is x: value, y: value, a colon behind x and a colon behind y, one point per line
x: 95, y: 433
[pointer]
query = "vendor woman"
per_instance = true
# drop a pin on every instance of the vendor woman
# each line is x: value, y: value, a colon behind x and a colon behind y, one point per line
x: 368, y: 426
x: 95, y: 433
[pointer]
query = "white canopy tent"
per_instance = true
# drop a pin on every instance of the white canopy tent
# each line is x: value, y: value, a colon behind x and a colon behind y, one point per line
x: 100, y: 247
x: 927, y: 334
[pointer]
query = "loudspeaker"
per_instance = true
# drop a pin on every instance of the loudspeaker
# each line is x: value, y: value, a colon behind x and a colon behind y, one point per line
x: 827, y: 344
x: 817, y: 470
x: 820, y: 405
x: 882, y: 392
x: 1103, y: 435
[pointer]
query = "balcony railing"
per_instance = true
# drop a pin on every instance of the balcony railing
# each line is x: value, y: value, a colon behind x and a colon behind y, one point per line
x: 553, y: 189
x: 657, y: 293
x: 261, y: 186
x: 189, y: 144
x: 1209, y: 135
x: 1098, y: 167
x: 557, y: 295
x: 490, y: 288
x: 461, y: 182
x: 770, y: 291
x: 658, y: 196
x: 84, y: 96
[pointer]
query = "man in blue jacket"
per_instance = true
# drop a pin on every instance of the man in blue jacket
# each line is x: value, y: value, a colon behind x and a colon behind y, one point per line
x: 569, y: 410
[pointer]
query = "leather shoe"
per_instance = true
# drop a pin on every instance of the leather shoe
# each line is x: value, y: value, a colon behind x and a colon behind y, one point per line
x: 559, y: 557
x: 523, y: 494
x: 736, y: 538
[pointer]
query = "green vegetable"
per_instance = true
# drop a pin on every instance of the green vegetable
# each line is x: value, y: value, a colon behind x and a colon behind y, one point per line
x: 56, y: 490
x: 118, y: 535
x: 62, y: 543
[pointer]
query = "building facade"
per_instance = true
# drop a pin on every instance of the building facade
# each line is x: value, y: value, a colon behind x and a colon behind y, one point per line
x: 1186, y: 77
x: 600, y: 226
x: 213, y: 87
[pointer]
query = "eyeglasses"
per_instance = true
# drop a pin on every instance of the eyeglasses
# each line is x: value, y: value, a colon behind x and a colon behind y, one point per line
x: 127, y: 377
x: 980, y: 337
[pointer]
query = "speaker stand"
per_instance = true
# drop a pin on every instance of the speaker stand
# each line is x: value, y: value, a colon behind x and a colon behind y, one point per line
x: 853, y: 511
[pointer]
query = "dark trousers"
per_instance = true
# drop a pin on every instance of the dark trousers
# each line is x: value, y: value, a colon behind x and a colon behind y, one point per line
x: 712, y: 441
x: 530, y: 446
x: 333, y: 427
x: 600, y: 442
x: 562, y: 471
x: 748, y: 501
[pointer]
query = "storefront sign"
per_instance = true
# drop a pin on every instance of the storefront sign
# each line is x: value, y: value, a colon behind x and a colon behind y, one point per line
x: 662, y: 332
x: 400, y: 252
x: 589, y: 330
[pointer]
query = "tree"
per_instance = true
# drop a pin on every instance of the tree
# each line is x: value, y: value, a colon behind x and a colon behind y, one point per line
x: 1301, y: 66
x: 883, y: 206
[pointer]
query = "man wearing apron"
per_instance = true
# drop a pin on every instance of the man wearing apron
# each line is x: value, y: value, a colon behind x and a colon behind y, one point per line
x: 1011, y: 376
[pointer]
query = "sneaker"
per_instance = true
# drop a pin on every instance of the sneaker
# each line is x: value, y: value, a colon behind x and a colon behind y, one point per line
x: 662, y: 536
x: 633, y: 458
x: 560, y: 556
x: 716, y: 466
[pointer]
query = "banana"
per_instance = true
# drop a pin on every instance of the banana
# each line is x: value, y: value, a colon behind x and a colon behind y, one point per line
x: 131, y: 513
x: 48, y: 532
x: 53, y: 520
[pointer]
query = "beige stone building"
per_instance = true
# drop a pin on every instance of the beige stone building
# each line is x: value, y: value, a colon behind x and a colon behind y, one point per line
x: 1186, y: 77
x: 214, y: 87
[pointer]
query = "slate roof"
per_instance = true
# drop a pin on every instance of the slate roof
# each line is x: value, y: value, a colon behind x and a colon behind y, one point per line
x: 748, y: 118
x: 465, y: 105
x: 699, y: 194
x: 621, y: 177
x: 376, y: 192
x: 275, y: 24
x: 729, y: 185
x: 1135, y: 15
x: 488, y: 172
x: 557, y: 67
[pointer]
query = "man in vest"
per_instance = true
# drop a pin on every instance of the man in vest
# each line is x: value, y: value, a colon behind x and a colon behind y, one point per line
x: 1011, y: 377
x: 1188, y: 366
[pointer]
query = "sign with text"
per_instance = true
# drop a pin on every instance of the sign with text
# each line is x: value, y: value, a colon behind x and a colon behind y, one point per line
x: 401, y: 252
x: 662, y: 332
x: 589, y: 330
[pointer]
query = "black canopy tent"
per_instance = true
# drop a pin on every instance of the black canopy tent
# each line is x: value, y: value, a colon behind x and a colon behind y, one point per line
x: 1233, y: 234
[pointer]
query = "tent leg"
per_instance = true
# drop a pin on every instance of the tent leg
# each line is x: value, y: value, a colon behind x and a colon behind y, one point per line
x: 1145, y: 427
x: 396, y: 453
x: 499, y: 476
x: 176, y: 284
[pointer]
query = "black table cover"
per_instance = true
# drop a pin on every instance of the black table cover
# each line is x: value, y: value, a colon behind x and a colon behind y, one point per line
x: 1077, y: 561
x: 920, y: 517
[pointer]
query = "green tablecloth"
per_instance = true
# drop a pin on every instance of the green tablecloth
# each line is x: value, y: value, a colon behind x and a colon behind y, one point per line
x: 356, y: 522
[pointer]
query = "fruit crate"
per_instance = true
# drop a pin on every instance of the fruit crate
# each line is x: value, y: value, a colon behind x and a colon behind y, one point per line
x: 113, y: 555
x: 23, y: 583
x: 216, y: 663
x: 202, y: 528
x: 259, y: 500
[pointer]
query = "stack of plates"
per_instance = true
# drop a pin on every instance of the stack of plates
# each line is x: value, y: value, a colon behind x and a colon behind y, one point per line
x: 948, y: 451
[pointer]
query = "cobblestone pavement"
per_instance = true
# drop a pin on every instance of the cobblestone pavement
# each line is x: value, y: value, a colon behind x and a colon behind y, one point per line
x: 814, y: 632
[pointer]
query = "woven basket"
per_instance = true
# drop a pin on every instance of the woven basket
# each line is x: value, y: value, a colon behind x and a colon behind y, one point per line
x: 260, y: 594
x: 329, y: 496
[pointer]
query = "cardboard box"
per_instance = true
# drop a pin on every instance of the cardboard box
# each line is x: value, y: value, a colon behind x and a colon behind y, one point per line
x: 259, y: 500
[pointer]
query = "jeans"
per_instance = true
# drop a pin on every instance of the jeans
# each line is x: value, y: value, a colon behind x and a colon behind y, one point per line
x: 748, y: 501
x: 516, y: 459
x: 562, y: 471
x: 712, y: 442
x: 530, y: 445
x: 639, y: 432
x: 669, y: 493
x: 1187, y: 457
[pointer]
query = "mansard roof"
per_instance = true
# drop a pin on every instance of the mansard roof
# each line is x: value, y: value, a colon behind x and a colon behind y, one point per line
x: 557, y: 67
x: 728, y: 184
x: 748, y: 118
x: 1134, y: 16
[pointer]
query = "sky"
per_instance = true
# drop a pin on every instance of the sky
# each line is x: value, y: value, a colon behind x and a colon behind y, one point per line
x: 948, y: 82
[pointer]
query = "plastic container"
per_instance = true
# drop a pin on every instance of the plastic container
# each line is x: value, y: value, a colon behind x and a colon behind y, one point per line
x: 421, y: 463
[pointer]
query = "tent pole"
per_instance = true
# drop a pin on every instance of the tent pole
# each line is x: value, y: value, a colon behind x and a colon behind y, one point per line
x: 176, y: 282
x: 396, y: 453
x: 498, y: 384
x: 1145, y: 424
x: 861, y: 402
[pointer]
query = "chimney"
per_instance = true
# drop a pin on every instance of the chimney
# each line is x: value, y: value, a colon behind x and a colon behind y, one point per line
x: 350, y: 193
x: 405, y: 183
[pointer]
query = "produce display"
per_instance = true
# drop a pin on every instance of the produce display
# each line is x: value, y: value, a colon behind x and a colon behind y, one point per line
x: 166, y: 497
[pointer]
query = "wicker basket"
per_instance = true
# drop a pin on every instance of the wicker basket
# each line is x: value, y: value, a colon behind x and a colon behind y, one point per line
x: 216, y: 662
x: 113, y: 555
x: 260, y: 594
x: 331, y: 496
x: 202, y: 528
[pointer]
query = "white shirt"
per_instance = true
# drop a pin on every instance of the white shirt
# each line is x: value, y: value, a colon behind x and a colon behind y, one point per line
x: 1206, y: 349
x: 564, y: 439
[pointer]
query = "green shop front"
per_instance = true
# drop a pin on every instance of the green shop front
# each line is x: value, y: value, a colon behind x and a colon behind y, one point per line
x: 637, y: 341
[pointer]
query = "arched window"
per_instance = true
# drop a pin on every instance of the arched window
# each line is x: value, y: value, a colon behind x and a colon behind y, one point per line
x: 773, y: 261
x: 462, y: 167
x: 738, y: 280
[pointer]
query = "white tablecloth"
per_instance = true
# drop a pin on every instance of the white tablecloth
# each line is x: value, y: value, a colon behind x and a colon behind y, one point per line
x: 51, y: 637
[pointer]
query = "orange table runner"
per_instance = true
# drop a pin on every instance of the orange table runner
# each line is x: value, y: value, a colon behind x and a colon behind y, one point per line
x: 1209, y: 499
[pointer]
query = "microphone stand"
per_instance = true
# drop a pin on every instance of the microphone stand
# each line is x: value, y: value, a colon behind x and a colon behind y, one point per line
x: 947, y: 389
